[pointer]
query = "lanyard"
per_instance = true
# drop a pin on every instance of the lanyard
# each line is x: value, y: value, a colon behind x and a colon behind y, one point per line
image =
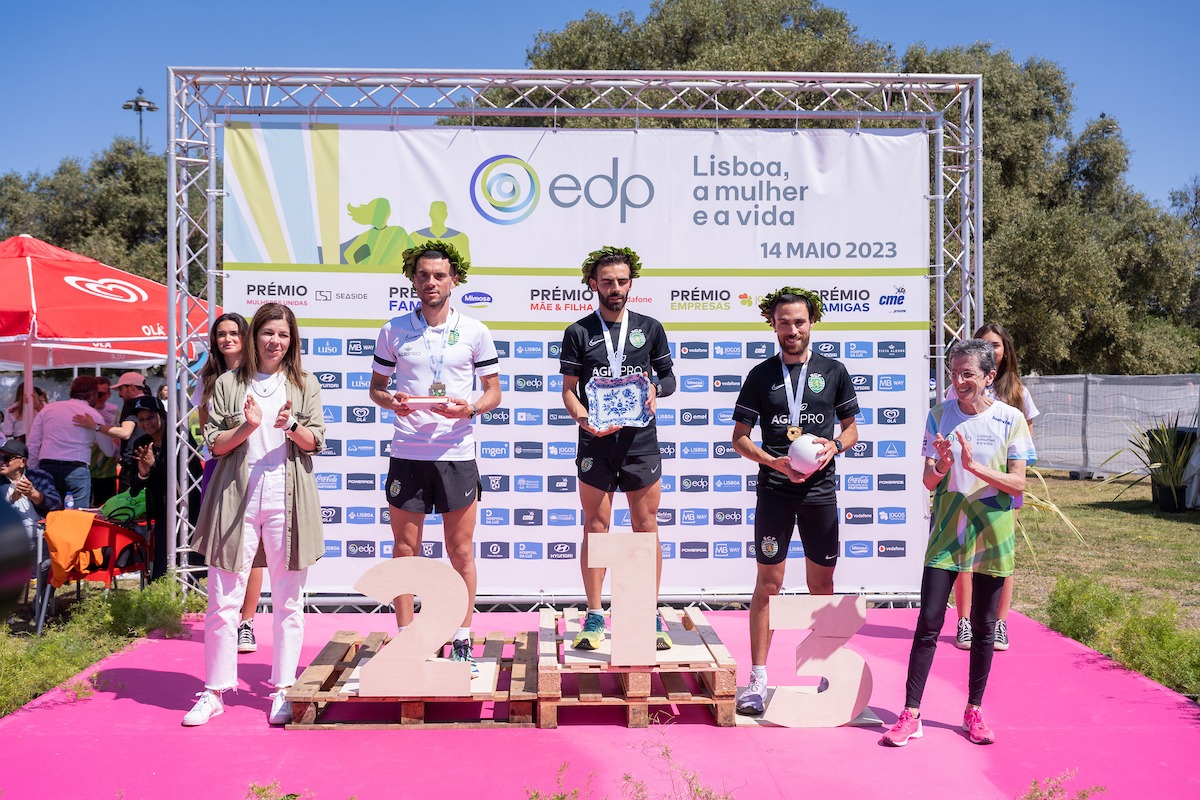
x: 436, y: 364
x: 615, y: 357
x: 793, y: 398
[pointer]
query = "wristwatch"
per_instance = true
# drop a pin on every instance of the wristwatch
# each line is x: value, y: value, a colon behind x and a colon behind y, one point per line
x: 98, y: 427
x: 838, y: 444
x: 473, y: 409
x: 295, y: 424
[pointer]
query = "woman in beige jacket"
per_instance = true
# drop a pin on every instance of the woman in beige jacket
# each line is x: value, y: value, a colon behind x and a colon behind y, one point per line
x: 265, y: 423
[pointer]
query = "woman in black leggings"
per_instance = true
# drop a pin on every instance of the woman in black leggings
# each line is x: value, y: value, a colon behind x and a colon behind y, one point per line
x: 975, y: 453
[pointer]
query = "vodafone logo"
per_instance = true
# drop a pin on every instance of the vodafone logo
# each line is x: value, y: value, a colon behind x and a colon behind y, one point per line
x: 108, y: 289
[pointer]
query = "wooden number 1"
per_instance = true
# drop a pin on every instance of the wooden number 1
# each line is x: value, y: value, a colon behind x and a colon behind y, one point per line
x: 833, y: 620
x: 402, y: 667
x: 631, y: 559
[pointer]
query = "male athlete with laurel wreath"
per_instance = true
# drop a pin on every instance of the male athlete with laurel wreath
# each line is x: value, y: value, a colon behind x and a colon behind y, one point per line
x: 796, y: 392
x: 614, y: 342
x: 435, y: 354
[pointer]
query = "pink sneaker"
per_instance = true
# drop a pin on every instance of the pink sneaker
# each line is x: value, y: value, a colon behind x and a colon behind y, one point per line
x: 907, y: 727
x: 977, y: 730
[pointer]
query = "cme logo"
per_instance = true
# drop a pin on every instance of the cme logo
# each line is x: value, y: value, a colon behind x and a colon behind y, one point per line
x: 829, y: 349
x: 665, y: 516
x: 893, y: 302
x: 331, y: 414
x: 360, y: 414
x: 693, y: 516
x: 360, y: 347
x: 327, y: 347
x: 561, y: 449
x: 858, y: 483
x: 760, y: 349
x: 858, y: 516
x: 528, y: 349
x: 727, y: 383
x: 726, y: 350
x: 493, y: 449
x: 693, y: 549
x: 561, y: 551
x: 358, y: 380
x: 892, y: 515
x: 666, y: 449
x: 494, y: 516
x: 497, y: 416
x: 329, y: 380
x: 527, y: 449
x: 694, y: 450
x: 694, y: 383
x: 503, y: 349
x: 360, y: 549
x: 555, y: 416
x: 694, y: 416
x: 560, y: 516
x: 330, y: 515
x: 333, y: 549
x: 493, y: 549
x: 528, y: 483
x: 360, y: 482
x: 891, y: 482
x: 891, y: 416
x: 360, y: 448
x: 889, y: 350
x: 527, y: 551
x: 505, y: 189
x: 892, y: 548
x: 529, y: 383
x: 693, y: 483
x: 476, y: 299
x: 891, y: 383
x: 727, y: 516
x: 861, y: 383
x: 891, y: 449
x: 859, y: 549
x: 495, y: 483
x: 528, y: 516
x: 564, y: 484
x: 329, y: 481
x: 531, y: 416
x: 859, y: 350
x: 861, y: 449
x: 693, y: 350
x: 724, y: 450
x: 727, y: 550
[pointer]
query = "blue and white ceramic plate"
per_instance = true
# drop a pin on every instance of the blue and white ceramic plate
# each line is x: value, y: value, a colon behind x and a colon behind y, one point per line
x: 619, y: 401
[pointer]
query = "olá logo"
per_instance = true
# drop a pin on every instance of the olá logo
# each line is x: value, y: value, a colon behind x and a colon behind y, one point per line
x: 505, y: 189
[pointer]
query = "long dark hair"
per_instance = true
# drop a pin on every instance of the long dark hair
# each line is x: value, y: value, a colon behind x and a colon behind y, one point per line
x: 211, y: 369
x: 1008, y: 371
x: 291, y: 359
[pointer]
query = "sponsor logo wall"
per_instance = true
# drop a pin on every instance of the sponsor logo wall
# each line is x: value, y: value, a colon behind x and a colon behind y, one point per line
x: 869, y: 268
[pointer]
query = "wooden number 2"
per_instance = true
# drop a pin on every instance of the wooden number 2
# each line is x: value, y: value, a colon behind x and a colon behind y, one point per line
x: 631, y: 559
x: 833, y: 620
x: 402, y: 667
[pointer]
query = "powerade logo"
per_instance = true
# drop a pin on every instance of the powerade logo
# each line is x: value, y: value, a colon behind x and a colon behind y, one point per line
x: 528, y: 349
x: 861, y: 449
x: 431, y: 549
x: 528, y: 516
x: 360, y: 415
x: 892, y: 548
x: 693, y: 483
x: 561, y: 449
x: 333, y: 549
x: 527, y: 551
x: 327, y: 347
x: 329, y: 380
x: 727, y: 383
x: 891, y: 383
x: 858, y: 516
x: 891, y: 449
x: 561, y: 551
x: 667, y: 449
x: 861, y: 383
x: 560, y: 516
x: 727, y: 550
x: 358, y: 380
x: 476, y: 299
x: 495, y: 483
x: 892, y: 515
x: 727, y: 516
x: 858, y: 483
x: 359, y: 549
x: 668, y: 483
x: 829, y: 349
x: 529, y: 383
x: 865, y: 416
x: 693, y: 350
x: 665, y: 516
x: 694, y: 450
x: 859, y: 350
x: 503, y: 349
x: 497, y: 416
x: 726, y: 350
x: 724, y: 416
x: 889, y: 350
x: 858, y: 549
x: 360, y: 481
x: 693, y: 549
x: 724, y: 450
x: 333, y: 447
x: 527, y: 449
x: 727, y: 483
x: 329, y: 481
x: 360, y: 347
x: 694, y: 416
x: 494, y: 516
x: 558, y: 416
x: 360, y: 516
x: 891, y: 416
x: 693, y: 516
x: 505, y: 189
x: 331, y: 414
x: 694, y: 383
x: 493, y: 449
x: 532, y: 416
x: 360, y: 448
x: 493, y: 549
x: 664, y: 416
x: 760, y: 349
x: 528, y: 483
x: 564, y: 484
x: 891, y: 482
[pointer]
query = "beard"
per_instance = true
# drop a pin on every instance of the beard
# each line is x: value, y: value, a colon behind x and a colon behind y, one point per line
x: 437, y: 303
x: 793, y: 347
x: 614, y: 302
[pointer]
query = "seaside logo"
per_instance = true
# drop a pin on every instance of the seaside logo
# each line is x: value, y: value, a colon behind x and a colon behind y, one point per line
x: 726, y: 350
x: 493, y: 516
x: 560, y: 551
x: 505, y: 189
x: 560, y: 416
x: 476, y: 299
x: 859, y: 549
x: 528, y: 349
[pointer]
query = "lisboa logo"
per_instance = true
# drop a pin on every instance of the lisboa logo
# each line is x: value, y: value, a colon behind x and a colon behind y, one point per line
x: 505, y: 190
x: 108, y: 289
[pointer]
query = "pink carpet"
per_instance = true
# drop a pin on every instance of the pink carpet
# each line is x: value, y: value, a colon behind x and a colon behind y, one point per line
x: 1055, y: 706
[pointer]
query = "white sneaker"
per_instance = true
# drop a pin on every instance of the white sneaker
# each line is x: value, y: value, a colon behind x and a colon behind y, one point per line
x: 208, y: 706
x: 752, y: 700
x: 281, y: 710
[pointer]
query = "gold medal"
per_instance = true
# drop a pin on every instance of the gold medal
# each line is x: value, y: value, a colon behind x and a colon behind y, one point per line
x: 437, y: 389
x: 794, y: 433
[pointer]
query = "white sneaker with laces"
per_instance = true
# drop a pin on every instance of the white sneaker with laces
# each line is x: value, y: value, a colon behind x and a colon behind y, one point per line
x: 281, y: 709
x: 752, y: 700
x: 208, y: 706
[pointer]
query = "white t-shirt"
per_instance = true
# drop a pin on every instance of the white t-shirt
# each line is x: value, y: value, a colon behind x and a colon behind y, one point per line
x: 266, y: 449
x: 411, y: 350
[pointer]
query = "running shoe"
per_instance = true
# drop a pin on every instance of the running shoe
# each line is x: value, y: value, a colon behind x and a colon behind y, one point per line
x: 460, y: 650
x: 281, y: 709
x: 907, y: 727
x: 1001, y: 640
x: 208, y: 706
x: 245, y: 639
x: 752, y: 700
x: 977, y: 730
x: 664, y: 637
x: 963, y: 640
x: 592, y: 634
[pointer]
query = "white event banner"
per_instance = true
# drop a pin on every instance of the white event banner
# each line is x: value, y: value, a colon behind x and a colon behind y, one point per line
x: 316, y: 216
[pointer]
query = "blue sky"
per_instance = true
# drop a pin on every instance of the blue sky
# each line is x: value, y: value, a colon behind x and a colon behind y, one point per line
x: 76, y: 61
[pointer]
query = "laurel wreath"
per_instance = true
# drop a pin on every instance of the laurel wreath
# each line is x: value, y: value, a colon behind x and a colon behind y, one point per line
x: 589, y: 263
x: 412, y: 254
x: 813, y: 298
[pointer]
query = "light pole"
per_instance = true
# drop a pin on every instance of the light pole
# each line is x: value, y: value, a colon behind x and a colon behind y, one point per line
x: 140, y: 104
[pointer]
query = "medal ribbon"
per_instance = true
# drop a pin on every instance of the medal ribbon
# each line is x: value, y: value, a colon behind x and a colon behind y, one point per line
x: 615, y: 357
x: 793, y: 399
x: 436, y: 364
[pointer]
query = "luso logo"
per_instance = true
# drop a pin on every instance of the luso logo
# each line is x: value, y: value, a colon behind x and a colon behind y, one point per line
x: 505, y: 189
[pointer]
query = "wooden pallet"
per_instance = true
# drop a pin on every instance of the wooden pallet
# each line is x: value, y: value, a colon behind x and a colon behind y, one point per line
x: 697, y: 670
x: 330, y: 684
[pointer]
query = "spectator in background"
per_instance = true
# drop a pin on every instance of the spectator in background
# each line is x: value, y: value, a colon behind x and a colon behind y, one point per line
x: 163, y: 394
x: 104, y: 467
x: 64, y: 449
x: 14, y: 425
x: 31, y: 491
x: 130, y: 386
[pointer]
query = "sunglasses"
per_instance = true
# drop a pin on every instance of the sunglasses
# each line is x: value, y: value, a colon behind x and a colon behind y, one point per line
x: 9, y: 457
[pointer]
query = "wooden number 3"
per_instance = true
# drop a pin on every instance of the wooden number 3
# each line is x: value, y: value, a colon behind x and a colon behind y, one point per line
x: 402, y: 667
x: 833, y: 620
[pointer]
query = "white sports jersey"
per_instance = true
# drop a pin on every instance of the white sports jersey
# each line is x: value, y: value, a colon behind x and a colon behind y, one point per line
x: 412, y: 350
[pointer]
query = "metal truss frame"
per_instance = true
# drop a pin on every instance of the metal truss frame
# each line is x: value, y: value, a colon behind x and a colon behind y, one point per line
x: 949, y: 107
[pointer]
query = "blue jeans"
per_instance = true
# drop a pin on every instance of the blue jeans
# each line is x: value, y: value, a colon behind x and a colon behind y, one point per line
x: 70, y: 476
